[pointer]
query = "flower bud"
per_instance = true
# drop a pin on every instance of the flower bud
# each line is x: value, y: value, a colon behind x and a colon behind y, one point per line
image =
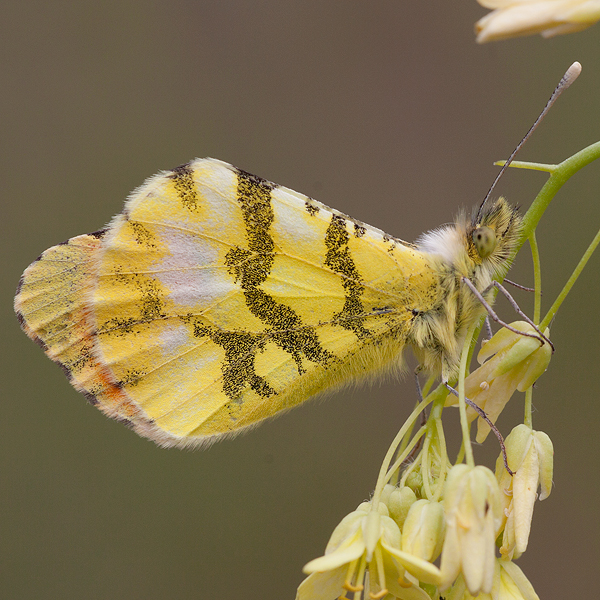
x: 530, y: 455
x: 423, y: 531
x: 399, y: 503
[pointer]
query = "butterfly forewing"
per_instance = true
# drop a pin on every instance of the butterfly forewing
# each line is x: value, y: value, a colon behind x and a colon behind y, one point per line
x: 217, y: 299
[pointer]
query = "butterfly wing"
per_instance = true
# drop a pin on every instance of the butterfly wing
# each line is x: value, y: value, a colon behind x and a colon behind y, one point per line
x: 53, y: 307
x: 217, y: 299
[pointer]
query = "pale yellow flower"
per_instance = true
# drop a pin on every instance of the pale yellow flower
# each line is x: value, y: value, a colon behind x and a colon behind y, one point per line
x: 530, y: 455
x: 473, y: 509
x: 364, y: 557
x: 509, y: 583
x: 512, y: 18
x: 423, y: 530
x: 515, y: 363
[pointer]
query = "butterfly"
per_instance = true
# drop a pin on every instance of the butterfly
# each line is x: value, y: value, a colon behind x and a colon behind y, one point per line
x: 217, y: 299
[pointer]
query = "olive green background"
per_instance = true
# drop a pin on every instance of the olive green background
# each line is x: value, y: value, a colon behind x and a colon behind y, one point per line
x: 386, y: 110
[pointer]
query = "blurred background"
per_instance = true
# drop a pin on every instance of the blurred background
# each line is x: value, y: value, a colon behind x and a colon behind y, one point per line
x: 386, y: 110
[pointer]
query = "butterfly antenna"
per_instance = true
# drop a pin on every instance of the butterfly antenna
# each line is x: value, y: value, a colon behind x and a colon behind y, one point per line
x: 568, y: 78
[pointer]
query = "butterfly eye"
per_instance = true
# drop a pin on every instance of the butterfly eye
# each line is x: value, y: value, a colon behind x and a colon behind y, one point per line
x: 484, y: 239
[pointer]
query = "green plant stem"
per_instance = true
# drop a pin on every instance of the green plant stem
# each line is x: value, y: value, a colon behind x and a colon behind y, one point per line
x: 432, y: 436
x: 518, y: 164
x: 537, y: 307
x: 381, y: 479
x: 408, y: 436
x: 462, y: 406
x: 443, y: 460
x: 402, y: 457
x: 567, y: 288
x: 528, y: 419
x: 461, y: 454
x: 425, y: 462
x: 537, y: 277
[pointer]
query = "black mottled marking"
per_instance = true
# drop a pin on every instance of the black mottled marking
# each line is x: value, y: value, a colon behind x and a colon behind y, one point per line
x: 250, y: 267
x: 339, y: 260
x: 93, y: 393
x: 131, y: 378
x: 285, y: 325
x: 386, y: 238
x: 84, y: 358
x: 142, y: 235
x: 238, y: 367
x: 152, y: 303
x: 151, y: 300
x: 359, y: 230
x: 183, y: 180
x: 118, y: 326
x: 311, y: 209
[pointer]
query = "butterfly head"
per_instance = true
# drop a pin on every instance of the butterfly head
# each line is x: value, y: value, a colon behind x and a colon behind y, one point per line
x: 479, y: 247
x: 492, y: 236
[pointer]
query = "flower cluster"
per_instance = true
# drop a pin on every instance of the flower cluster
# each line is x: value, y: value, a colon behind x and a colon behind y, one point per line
x: 389, y: 550
x: 443, y: 530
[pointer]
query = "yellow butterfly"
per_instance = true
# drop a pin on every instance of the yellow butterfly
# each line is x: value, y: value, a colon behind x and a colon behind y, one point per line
x: 217, y: 299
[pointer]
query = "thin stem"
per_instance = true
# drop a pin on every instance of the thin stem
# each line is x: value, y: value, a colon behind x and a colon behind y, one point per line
x: 402, y: 457
x: 439, y: 401
x: 519, y: 164
x: 559, y: 175
x: 461, y: 454
x: 425, y: 465
x: 405, y: 440
x: 567, y: 288
x: 407, y: 472
x: 381, y: 479
x: 462, y: 406
x: 528, y: 420
x: 537, y: 277
x: 443, y: 462
x: 428, y: 384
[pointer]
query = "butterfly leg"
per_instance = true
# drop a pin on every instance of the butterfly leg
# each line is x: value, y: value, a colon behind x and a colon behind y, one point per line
x: 488, y: 330
x: 540, y: 336
x: 418, y: 383
x: 420, y: 394
x: 517, y: 308
x: 493, y: 427
x: 519, y: 286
